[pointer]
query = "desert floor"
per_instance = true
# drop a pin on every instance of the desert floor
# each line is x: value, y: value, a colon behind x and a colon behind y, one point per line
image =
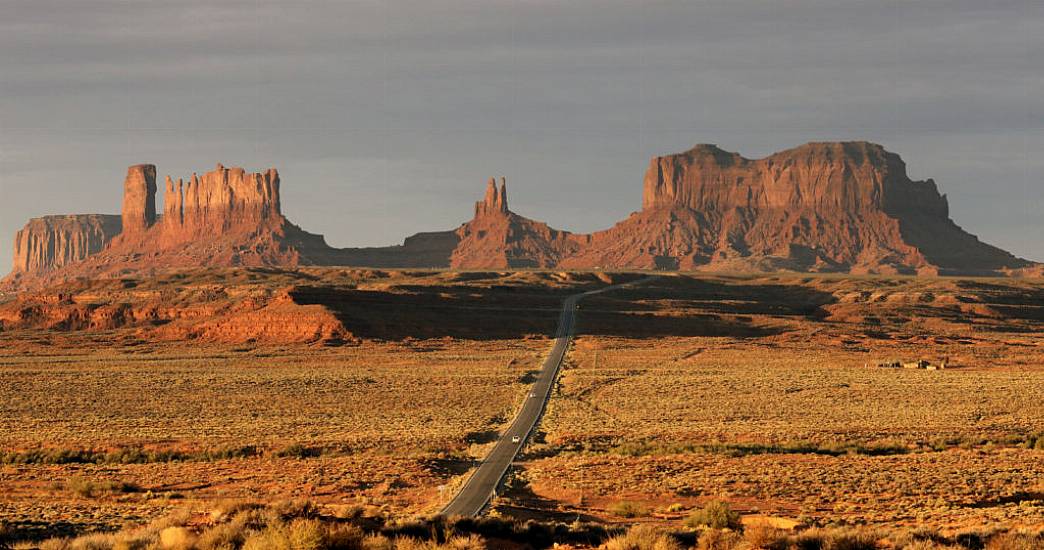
x: 762, y: 391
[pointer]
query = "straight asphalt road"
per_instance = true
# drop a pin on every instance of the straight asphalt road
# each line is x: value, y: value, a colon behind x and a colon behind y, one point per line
x: 476, y: 493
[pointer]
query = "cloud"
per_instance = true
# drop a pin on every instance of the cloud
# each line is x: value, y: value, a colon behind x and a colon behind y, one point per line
x: 385, y: 101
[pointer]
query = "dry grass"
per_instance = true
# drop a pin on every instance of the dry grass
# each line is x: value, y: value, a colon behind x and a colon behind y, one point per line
x: 758, y: 391
x: 751, y: 390
x: 387, y: 422
x: 372, y: 397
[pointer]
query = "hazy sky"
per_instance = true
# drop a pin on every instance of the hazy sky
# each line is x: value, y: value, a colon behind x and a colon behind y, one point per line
x: 385, y: 118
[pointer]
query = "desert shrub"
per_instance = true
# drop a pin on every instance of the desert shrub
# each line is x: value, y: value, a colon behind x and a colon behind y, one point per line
x: 643, y: 537
x: 125, y: 455
x: 647, y: 448
x: 298, y: 450
x: 224, y: 535
x: 177, y: 518
x: 91, y: 488
x: 294, y: 509
x: 412, y: 543
x: 346, y: 537
x: 94, y: 541
x: 929, y: 539
x: 1034, y: 441
x: 459, y: 542
x: 719, y: 539
x: 275, y: 536
x: 532, y: 533
x: 176, y: 538
x: 765, y: 537
x: 232, y: 508
x: 807, y: 540
x: 307, y: 534
x: 376, y: 542
x: 716, y: 515
x: 226, y: 453
x: 1016, y: 541
x: 927, y: 544
x: 465, y: 542
x: 47, y: 456
x: 55, y: 544
x: 850, y: 539
x: 628, y: 509
x: 971, y: 539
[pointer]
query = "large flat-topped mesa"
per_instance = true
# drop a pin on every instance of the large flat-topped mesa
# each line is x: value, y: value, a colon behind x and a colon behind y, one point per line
x: 849, y: 176
x: 834, y: 206
x: 51, y: 242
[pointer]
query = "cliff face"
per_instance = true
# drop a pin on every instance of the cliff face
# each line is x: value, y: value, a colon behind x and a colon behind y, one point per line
x: 139, y: 199
x: 220, y: 201
x: 54, y: 241
x: 224, y: 201
x: 822, y: 177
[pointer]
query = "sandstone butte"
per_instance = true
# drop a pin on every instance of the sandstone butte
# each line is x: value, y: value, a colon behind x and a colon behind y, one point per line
x: 822, y: 207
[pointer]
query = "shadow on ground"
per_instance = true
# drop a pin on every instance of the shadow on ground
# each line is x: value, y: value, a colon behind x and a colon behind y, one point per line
x: 670, y: 306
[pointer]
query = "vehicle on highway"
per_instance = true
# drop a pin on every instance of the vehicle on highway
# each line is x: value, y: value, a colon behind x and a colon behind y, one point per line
x: 532, y: 395
x: 516, y: 439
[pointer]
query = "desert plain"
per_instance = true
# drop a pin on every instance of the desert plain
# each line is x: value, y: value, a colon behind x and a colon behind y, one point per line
x: 378, y: 391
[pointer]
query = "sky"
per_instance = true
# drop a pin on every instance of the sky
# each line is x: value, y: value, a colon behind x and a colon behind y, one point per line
x: 387, y: 117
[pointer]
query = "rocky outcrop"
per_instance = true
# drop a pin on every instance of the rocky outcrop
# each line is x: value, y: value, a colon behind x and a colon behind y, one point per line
x: 497, y: 237
x: 820, y: 207
x: 139, y: 199
x: 495, y: 201
x: 223, y: 200
x: 228, y: 313
x: 223, y: 218
x: 51, y: 242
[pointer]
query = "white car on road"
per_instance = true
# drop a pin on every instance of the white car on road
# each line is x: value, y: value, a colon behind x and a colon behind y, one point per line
x: 515, y: 439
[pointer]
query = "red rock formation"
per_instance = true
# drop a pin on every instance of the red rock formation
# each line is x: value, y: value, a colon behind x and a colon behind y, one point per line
x: 497, y: 237
x: 173, y: 204
x: 226, y: 198
x: 139, y: 199
x: 819, y: 207
x: 54, y: 241
x: 189, y: 310
x: 840, y: 207
x: 495, y: 202
x: 227, y: 217
x: 222, y: 202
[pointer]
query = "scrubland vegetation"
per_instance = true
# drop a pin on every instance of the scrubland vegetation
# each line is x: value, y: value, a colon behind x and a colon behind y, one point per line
x: 388, y: 422
x: 764, y: 392
x: 301, y: 525
x: 759, y: 394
